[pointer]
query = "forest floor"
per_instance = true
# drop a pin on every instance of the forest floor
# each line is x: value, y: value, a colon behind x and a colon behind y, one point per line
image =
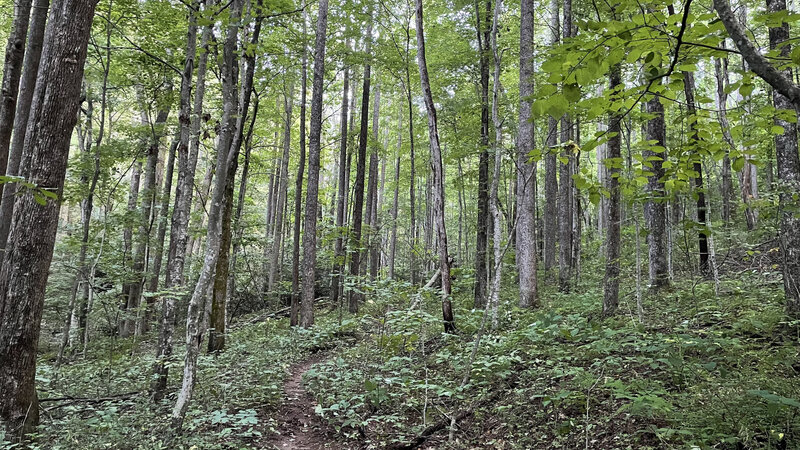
x: 702, y: 370
x: 299, y: 427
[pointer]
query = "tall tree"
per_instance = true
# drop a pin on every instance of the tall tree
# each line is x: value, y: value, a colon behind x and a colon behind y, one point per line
x: 437, y: 175
x: 565, y: 197
x: 497, y: 149
x: 312, y: 194
x: 23, y: 276
x: 12, y: 71
x: 526, y: 165
x: 550, y: 163
x: 179, y: 226
x: 294, y: 317
x: 358, y: 188
x: 613, y: 162
x: 277, y: 237
x: 228, y: 144
x: 655, y: 212
x: 343, y: 183
x: 697, y: 167
x: 483, y: 29
x: 31, y: 63
x: 786, y: 96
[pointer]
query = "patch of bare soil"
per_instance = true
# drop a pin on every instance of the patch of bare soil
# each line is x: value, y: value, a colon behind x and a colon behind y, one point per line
x: 298, y: 427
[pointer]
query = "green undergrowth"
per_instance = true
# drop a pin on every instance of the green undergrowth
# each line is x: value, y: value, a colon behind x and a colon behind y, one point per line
x: 234, y: 403
x: 700, y: 372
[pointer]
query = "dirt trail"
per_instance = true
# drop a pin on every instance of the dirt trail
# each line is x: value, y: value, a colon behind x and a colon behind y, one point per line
x: 299, y: 427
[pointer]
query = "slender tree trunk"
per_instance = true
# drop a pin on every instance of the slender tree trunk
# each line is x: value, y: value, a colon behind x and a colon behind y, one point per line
x: 33, y: 54
x: 358, y: 195
x: 613, y: 157
x: 344, y: 181
x: 312, y: 196
x: 12, y: 72
x: 655, y: 214
x: 527, y: 259
x: 373, y: 237
x: 788, y: 172
x: 494, y: 202
x: 228, y: 145
x: 24, y: 275
x: 163, y: 216
x: 218, y: 318
x: 688, y: 87
x: 140, y: 323
x: 277, y: 238
x: 721, y: 97
x: 294, y: 317
x: 125, y: 328
x: 438, y: 175
x: 565, y: 197
x: 393, y: 239
x: 482, y: 237
x: 237, y: 218
x: 179, y: 226
x: 550, y: 163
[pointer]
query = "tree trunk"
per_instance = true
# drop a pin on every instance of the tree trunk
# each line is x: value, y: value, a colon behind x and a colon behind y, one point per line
x: 163, y: 216
x: 294, y: 317
x: 33, y: 54
x: 373, y: 237
x: 140, y: 322
x: 344, y: 181
x: 228, y: 145
x: 494, y: 203
x: 277, y: 237
x: 655, y: 213
x: 565, y: 197
x: 550, y: 164
x: 721, y: 99
x: 23, y: 277
x: 12, y: 72
x: 702, y: 235
x: 612, y: 162
x: 483, y: 31
x: 125, y: 329
x: 358, y: 194
x: 788, y: 172
x: 527, y: 259
x: 393, y: 238
x: 438, y: 174
x: 312, y: 195
x: 188, y: 144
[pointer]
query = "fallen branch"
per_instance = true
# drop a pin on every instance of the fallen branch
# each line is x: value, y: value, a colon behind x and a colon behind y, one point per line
x: 426, y: 434
x: 428, y: 285
x: 90, y: 400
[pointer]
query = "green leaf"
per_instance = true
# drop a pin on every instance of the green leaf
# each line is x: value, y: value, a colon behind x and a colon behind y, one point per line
x: 777, y: 130
x: 737, y: 164
x: 775, y: 398
x: 572, y: 92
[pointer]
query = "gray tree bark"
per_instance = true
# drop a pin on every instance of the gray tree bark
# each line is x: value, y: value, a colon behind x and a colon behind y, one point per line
x: 437, y: 172
x: 356, y: 298
x: 312, y: 195
x: 31, y: 63
x: 344, y: 182
x: 527, y: 259
x: 550, y: 163
x: 12, y: 72
x: 655, y: 213
x: 23, y: 276
x: 613, y: 162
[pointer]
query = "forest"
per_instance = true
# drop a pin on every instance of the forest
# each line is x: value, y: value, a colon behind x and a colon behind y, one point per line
x: 400, y: 224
